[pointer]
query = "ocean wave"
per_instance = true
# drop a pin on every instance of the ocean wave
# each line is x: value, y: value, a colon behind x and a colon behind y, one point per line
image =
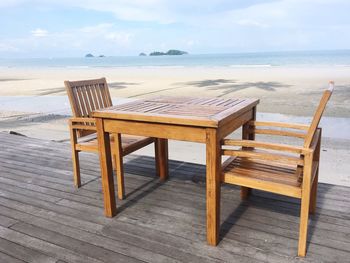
x: 77, y: 67
x: 161, y: 66
x: 251, y: 66
x: 342, y: 65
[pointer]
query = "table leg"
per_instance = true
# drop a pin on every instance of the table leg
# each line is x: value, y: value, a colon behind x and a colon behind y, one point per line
x: 247, y: 135
x: 104, y: 148
x: 213, y: 164
x: 162, y: 158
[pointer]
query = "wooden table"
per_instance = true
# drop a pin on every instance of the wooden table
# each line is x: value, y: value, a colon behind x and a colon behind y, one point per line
x: 204, y: 120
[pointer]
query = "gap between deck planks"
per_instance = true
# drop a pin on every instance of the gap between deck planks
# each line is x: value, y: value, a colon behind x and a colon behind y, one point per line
x: 43, y: 216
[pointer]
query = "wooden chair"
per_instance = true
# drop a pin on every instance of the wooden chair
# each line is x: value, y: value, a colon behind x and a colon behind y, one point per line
x: 86, y: 96
x: 294, y: 172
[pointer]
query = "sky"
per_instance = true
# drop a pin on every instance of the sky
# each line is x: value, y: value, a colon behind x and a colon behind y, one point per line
x: 72, y: 28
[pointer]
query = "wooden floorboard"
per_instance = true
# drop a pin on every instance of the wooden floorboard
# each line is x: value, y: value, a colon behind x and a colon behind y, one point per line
x: 43, y: 218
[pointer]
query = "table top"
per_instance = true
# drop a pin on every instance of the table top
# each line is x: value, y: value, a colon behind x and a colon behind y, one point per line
x: 203, y: 112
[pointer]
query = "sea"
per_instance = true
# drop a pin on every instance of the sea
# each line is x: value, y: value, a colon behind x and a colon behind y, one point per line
x: 339, y: 58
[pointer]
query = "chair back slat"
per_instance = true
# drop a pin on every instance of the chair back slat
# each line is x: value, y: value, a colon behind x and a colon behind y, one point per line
x: 102, y: 94
x: 318, y: 114
x: 99, y: 95
x: 88, y: 93
x: 86, y: 100
x: 85, y: 96
x: 84, y: 103
x: 94, y: 97
x: 106, y: 98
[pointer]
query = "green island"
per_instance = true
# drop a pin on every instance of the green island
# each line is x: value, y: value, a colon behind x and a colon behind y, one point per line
x: 171, y: 52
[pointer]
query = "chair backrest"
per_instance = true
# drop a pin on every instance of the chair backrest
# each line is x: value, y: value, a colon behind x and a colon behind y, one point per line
x: 85, y: 96
x: 318, y: 114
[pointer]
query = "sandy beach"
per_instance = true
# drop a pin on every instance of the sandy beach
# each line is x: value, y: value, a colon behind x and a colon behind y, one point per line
x: 285, y: 90
x: 33, y: 101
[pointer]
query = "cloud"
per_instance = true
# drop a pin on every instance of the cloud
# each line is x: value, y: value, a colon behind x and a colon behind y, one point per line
x: 103, y: 38
x: 39, y: 32
x: 168, y: 11
x: 10, y: 3
x: 7, y: 48
x: 119, y: 37
x: 97, y: 29
x: 249, y: 22
x: 190, y: 42
x: 206, y: 26
x: 161, y: 11
x: 108, y: 32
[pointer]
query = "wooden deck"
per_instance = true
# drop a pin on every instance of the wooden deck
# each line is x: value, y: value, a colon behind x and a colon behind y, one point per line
x: 44, y: 219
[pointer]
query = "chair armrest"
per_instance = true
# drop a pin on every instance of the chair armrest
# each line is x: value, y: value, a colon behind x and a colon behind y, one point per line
x: 82, y: 123
x: 267, y: 129
x: 316, y: 139
x: 296, y: 126
x: 75, y: 120
x: 265, y: 145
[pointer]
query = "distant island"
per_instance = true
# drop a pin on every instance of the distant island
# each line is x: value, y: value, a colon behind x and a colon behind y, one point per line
x: 142, y: 54
x: 89, y: 55
x: 171, y: 52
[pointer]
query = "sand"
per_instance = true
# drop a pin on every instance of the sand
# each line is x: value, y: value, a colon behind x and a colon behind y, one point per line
x: 287, y: 90
x: 33, y: 101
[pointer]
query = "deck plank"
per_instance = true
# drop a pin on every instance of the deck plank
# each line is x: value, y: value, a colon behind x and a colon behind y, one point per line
x: 43, y: 218
x: 8, y: 259
x: 21, y: 253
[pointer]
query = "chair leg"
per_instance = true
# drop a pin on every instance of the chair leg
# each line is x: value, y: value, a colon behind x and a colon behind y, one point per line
x: 313, y: 198
x: 305, y: 203
x: 247, y: 135
x: 304, y: 220
x: 119, y: 169
x: 245, y: 192
x: 75, y: 158
x: 76, y: 167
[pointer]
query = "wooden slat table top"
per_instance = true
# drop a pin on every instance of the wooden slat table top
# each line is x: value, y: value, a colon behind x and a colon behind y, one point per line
x: 204, y: 112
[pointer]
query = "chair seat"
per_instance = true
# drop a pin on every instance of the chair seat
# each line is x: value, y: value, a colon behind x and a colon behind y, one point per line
x: 263, y: 175
x: 130, y: 143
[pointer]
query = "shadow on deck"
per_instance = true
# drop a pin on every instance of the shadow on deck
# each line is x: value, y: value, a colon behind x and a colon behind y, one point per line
x: 43, y: 218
